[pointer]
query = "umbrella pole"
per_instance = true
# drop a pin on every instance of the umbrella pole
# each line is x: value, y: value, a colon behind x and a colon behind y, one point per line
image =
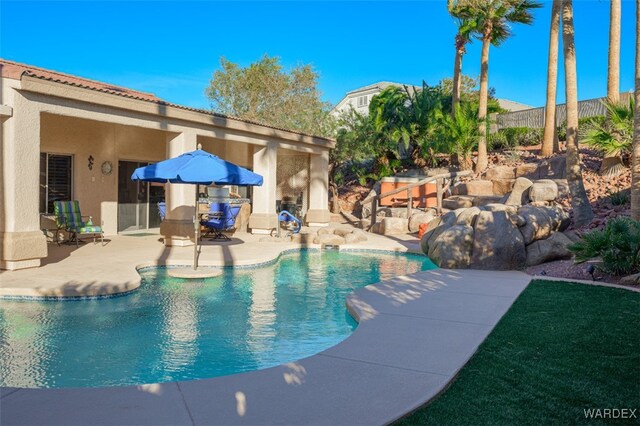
x: 196, y: 224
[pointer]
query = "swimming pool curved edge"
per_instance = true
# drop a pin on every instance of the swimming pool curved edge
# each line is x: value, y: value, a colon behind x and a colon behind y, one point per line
x: 124, y: 286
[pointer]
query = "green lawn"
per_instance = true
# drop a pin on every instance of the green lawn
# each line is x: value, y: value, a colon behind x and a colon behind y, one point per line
x: 560, y: 349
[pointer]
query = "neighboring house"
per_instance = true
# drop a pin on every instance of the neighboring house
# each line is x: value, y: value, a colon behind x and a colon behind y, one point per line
x: 360, y: 98
x: 512, y: 106
x: 65, y: 137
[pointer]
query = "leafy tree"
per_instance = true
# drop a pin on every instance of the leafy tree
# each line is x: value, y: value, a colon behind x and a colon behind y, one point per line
x: 267, y: 93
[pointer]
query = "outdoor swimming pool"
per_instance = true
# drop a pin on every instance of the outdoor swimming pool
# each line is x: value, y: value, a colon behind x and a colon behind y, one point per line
x: 173, y: 329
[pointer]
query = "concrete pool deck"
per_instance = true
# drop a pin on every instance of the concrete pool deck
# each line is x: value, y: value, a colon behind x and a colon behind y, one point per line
x: 93, y: 270
x: 415, y: 333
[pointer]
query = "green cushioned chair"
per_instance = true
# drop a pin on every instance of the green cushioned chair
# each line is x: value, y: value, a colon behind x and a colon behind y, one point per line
x: 70, y: 219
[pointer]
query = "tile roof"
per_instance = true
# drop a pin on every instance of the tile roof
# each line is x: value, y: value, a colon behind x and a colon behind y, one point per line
x: 15, y: 70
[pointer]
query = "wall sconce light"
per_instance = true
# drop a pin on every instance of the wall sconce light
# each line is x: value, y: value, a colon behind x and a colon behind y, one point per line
x: 91, y: 159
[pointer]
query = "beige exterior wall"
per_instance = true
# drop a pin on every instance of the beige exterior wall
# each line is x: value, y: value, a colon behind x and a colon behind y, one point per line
x: 98, y: 193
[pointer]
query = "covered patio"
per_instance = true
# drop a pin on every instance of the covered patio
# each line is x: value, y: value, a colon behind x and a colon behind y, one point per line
x: 66, y: 137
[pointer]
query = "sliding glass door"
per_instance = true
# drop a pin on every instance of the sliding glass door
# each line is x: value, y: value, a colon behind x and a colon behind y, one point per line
x: 137, y: 201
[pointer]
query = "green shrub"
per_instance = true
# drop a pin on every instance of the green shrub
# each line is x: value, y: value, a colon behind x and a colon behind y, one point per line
x: 497, y: 140
x: 617, y: 246
x: 620, y: 198
x: 520, y: 136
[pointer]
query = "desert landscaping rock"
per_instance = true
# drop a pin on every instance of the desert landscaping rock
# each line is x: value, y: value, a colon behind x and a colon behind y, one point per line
x: 543, y: 190
x: 457, y: 202
x: 452, y: 248
x: 500, y: 172
x: 419, y: 218
x: 474, y: 187
x: 394, y: 226
x: 329, y: 239
x: 630, y: 279
x: 560, y: 219
x: 497, y: 244
x: 529, y: 171
x: 520, y: 193
x: 468, y: 216
x: 503, y: 186
x: 552, y: 248
x: 538, y: 223
x: 357, y: 236
x: 554, y: 168
x: 483, y: 200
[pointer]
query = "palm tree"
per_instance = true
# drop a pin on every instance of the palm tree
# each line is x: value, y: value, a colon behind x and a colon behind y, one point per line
x: 458, y: 135
x: 466, y: 25
x: 493, y: 18
x: 613, y: 135
x: 635, y: 169
x: 582, y: 212
x: 549, y: 138
x: 612, y: 165
x: 613, y: 70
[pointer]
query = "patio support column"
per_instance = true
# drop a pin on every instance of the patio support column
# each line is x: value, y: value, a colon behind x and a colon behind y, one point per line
x: 318, y: 213
x: 263, y: 216
x: 177, y: 228
x: 22, y: 243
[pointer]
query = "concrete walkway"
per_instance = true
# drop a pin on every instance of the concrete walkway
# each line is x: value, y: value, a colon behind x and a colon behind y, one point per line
x: 416, y: 332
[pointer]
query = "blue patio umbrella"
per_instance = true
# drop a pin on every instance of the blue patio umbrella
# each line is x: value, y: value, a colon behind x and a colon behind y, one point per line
x: 198, y: 168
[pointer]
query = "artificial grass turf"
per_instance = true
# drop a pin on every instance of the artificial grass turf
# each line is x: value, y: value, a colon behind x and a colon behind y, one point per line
x: 561, y: 348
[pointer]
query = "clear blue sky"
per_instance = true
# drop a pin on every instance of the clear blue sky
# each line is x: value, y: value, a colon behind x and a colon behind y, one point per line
x: 171, y: 48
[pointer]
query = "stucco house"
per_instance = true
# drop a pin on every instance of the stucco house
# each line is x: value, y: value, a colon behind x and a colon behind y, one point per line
x: 67, y: 137
x: 360, y: 98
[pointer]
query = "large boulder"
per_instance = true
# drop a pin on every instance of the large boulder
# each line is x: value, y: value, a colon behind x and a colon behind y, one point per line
x: 457, y: 202
x: 468, y: 216
x: 520, y: 193
x: 394, y: 226
x: 552, y: 248
x: 503, y: 186
x: 500, y: 172
x: 452, y: 249
x: 474, y: 187
x: 538, y: 224
x: 419, y: 218
x: 436, y: 227
x: 528, y: 170
x: 497, y: 242
x: 329, y: 239
x: 560, y: 219
x: 483, y: 200
x: 563, y: 187
x: 355, y: 236
x: 543, y: 190
x: 553, y: 168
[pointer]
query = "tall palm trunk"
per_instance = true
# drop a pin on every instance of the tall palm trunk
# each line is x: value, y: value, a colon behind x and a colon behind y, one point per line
x: 612, y: 165
x: 550, y: 132
x: 457, y: 73
x: 635, y: 171
x: 582, y: 212
x: 613, y: 71
x: 483, y: 160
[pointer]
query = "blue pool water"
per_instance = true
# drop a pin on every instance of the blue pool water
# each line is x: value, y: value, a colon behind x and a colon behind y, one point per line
x: 174, y: 329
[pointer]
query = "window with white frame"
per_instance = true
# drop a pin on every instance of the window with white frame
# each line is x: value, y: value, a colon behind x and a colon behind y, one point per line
x: 362, y: 101
x: 55, y: 180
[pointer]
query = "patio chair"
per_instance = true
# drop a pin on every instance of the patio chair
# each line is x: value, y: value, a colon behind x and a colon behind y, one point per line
x: 70, y: 219
x: 162, y: 210
x: 221, y: 218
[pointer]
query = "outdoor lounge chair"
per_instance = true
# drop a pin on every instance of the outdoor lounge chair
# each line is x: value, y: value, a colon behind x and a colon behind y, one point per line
x: 70, y: 219
x: 221, y: 217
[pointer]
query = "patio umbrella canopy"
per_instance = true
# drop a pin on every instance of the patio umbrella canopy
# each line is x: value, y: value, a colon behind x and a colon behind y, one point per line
x: 197, y: 168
